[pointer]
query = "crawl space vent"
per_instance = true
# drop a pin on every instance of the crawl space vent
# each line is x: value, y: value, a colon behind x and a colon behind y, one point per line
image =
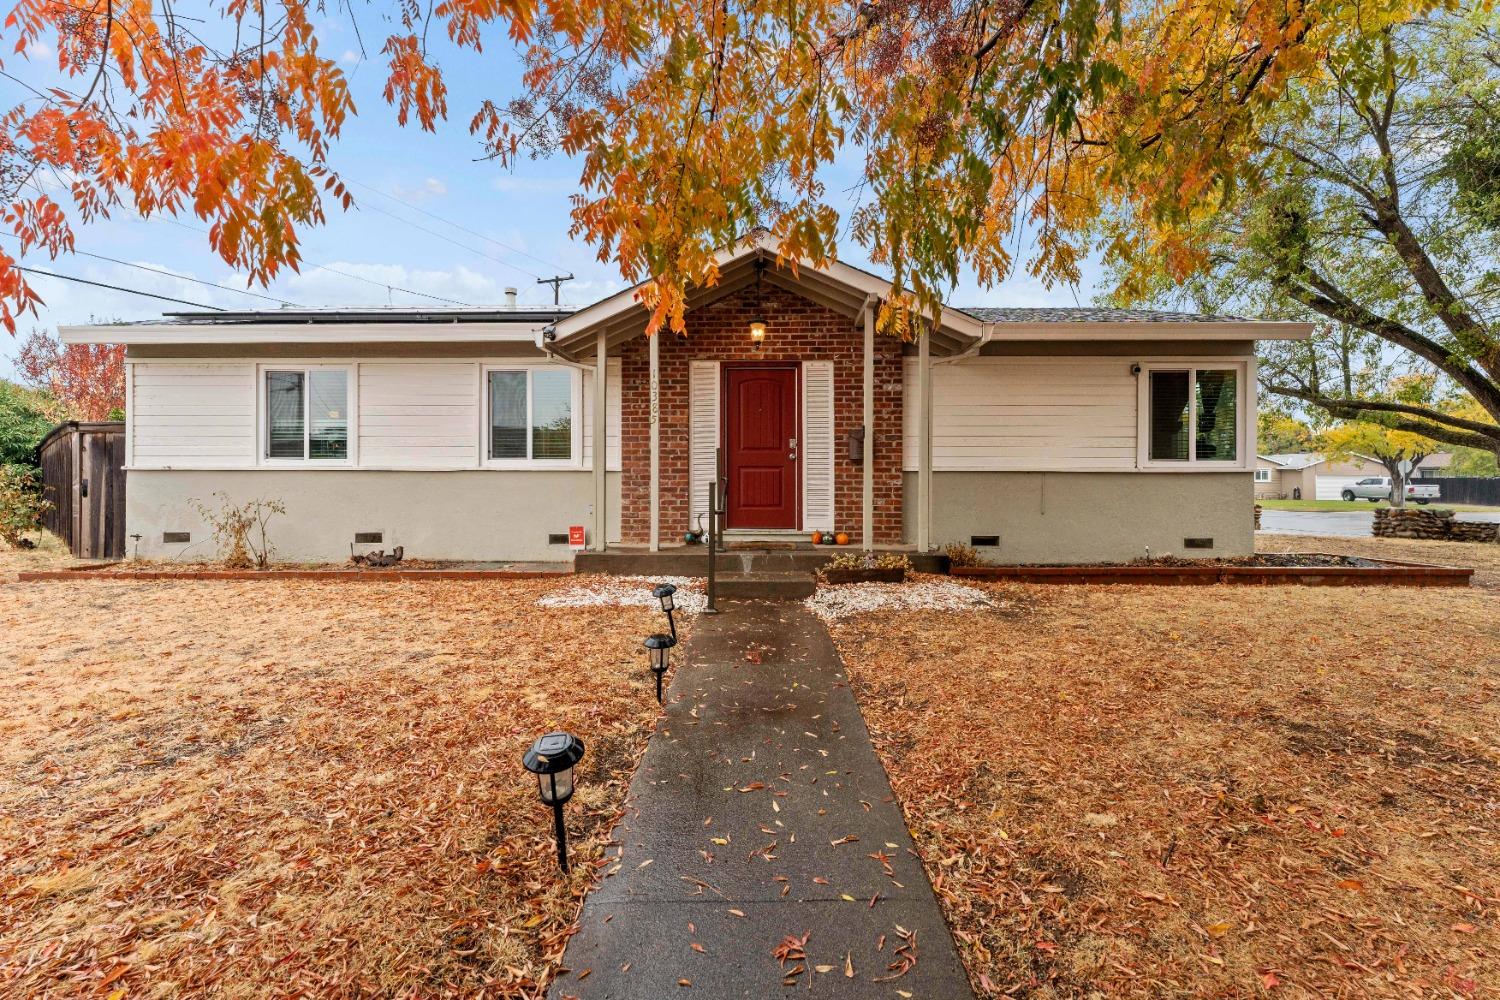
x: 170, y: 537
x: 369, y: 537
x: 982, y: 541
x: 557, y: 539
x: 1197, y: 543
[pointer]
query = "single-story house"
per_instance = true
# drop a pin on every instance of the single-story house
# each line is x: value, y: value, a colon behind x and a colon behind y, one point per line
x: 1309, y: 476
x: 1040, y: 435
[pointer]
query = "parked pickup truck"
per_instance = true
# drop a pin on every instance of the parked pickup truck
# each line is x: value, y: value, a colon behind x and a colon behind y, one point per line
x: 1378, y: 488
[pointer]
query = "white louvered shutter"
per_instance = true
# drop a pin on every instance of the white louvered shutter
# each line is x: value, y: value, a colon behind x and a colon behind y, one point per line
x: 703, y: 402
x: 817, y: 445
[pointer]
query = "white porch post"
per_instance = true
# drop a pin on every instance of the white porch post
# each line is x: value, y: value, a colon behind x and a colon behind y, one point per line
x: 601, y: 445
x: 867, y: 511
x: 924, y: 440
x: 655, y: 389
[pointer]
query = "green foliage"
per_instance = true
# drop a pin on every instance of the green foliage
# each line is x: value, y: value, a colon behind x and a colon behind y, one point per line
x: 1279, y: 433
x: 1473, y: 164
x: 24, y: 421
x: 21, y: 503
x: 1473, y: 462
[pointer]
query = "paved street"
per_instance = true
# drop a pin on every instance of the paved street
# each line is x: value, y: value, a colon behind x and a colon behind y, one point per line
x: 1354, y: 524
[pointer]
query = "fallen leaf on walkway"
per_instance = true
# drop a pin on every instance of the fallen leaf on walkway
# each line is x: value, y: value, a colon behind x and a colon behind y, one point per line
x: 848, y: 839
x: 848, y: 965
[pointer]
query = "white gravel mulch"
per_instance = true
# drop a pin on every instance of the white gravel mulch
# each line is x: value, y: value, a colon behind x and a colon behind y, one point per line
x: 626, y: 592
x: 846, y: 600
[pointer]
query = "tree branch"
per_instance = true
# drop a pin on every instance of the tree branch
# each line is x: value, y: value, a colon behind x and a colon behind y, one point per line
x: 1421, y: 420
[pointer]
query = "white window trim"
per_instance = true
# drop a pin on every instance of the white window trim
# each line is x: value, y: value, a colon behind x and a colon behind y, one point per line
x: 262, y: 417
x: 1244, y: 374
x: 1262, y: 475
x: 575, y: 403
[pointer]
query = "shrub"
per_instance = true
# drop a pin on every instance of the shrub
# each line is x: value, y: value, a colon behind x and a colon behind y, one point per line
x: 960, y: 554
x: 240, y: 530
x: 21, y: 504
x: 870, y: 560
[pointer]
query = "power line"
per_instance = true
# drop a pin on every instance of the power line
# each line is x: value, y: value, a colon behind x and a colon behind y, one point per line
x: 169, y: 274
x: 457, y: 225
x: 342, y: 274
x: 117, y: 288
x: 449, y: 239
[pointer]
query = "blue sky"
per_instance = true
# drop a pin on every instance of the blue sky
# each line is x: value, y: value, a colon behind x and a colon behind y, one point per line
x: 486, y: 228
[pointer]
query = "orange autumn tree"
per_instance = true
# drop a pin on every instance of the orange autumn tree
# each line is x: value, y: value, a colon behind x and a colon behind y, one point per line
x: 976, y: 121
x: 87, y: 381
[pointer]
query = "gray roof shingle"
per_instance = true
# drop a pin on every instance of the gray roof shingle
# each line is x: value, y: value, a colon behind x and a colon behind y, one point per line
x: 1090, y: 314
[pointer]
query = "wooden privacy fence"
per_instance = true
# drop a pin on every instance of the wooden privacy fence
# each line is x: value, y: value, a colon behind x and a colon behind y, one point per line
x: 83, y: 476
x: 1466, y: 489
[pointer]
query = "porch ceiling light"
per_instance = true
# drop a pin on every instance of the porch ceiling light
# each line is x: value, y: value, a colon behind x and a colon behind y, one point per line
x: 659, y: 654
x: 758, y: 318
x: 551, y: 759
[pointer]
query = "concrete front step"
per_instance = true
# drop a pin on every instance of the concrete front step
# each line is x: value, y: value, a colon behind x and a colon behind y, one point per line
x: 785, y: 586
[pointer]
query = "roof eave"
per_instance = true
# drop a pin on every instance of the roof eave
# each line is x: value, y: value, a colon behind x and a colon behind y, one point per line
x: 299, y: 333
x: 1153, y: 330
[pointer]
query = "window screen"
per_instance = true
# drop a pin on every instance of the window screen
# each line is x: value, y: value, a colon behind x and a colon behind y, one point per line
x: 328, y: 415
x: 1216, y: 400
x: 551, y: 415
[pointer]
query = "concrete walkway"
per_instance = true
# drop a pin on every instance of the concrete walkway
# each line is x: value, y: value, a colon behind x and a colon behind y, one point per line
x: 753, y: 818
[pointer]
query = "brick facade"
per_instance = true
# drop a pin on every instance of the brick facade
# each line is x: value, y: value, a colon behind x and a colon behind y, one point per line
x: 798, y: 329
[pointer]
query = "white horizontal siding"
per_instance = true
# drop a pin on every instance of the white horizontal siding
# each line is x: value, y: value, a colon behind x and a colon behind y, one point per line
x: 192, y: 415
x: 418, y: 416
x: 409, y: 414
x: 612, y: 399
x: 1015, y: 414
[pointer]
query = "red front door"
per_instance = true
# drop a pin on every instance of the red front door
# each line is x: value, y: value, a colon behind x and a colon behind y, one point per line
x: 760, y: 446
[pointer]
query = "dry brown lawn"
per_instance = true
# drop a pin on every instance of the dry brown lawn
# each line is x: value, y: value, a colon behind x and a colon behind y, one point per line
x: 49, y: 554
x: 1202, y: 792
x: 275, y: 789
x: 1484, y: 558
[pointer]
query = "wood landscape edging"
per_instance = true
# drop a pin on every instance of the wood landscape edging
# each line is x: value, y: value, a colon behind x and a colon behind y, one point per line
x: 1389, y: 574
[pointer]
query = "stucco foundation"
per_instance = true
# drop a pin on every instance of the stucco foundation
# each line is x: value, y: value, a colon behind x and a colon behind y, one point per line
x: 469, y: 515
x: 1060, y: 517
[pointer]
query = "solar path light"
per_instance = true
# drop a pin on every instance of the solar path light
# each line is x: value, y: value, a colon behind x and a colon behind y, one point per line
x: 551, y: 759
x: 658, y: 651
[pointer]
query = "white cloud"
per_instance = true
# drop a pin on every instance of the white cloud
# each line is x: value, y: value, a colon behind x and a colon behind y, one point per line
x: 428, y: 187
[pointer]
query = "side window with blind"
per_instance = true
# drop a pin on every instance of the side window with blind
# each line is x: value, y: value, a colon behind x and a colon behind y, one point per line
x: 307, y: 414
x: 1192, y: 415
x: 531, y: 415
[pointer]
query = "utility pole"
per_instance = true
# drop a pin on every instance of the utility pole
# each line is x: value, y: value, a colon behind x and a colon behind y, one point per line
x: 556, y: 283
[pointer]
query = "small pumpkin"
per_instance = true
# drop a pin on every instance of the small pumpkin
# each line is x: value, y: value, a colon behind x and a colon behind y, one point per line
x: 817, y: 538
x: 828, y: 538
x: 842, y: 538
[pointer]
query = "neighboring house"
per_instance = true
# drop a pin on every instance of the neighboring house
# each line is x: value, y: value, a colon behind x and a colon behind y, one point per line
x: 1307, y: 476
x: 1038, y: 434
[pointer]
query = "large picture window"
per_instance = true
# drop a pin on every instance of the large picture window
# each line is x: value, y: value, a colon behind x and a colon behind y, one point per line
x: 307, y: 414
x: 531, y: 415
x: 1192, y: 415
